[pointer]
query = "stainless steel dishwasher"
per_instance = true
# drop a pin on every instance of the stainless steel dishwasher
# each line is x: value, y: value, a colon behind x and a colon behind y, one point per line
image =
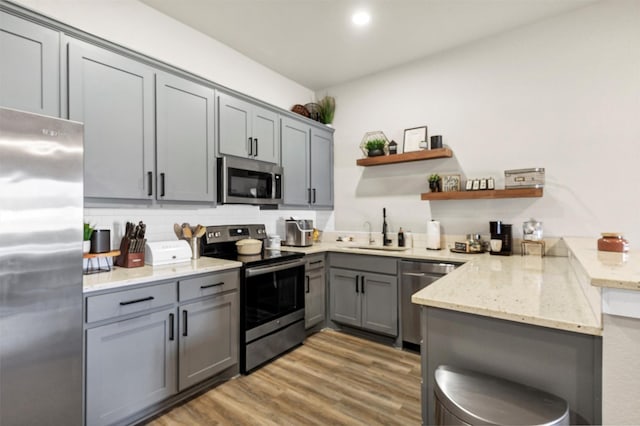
x: 414, y: 276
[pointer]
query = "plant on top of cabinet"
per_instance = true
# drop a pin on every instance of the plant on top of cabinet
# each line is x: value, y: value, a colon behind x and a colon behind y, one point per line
x: 327, y: 106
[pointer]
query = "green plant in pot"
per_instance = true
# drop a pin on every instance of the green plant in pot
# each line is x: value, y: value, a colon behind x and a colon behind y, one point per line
x: 327, y: 109
x: 86, y: 236
x: 375, y: 147
x: 434, y: 182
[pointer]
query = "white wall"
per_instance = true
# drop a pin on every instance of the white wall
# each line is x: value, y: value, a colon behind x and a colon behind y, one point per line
x: 563, y: 94
x: 139, y: 27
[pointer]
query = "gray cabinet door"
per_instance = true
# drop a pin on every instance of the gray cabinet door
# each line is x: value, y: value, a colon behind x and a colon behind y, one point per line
x: 314, y: 305
x: 209, y: 332
x: 345, y: 304
x: 295, y: 162
x: 321, y: 168
x: 29, y: 66
x: 266, y: 136
x: 130, y: 365
x: 234, y: 126
x: 185, y: 140
x: 380, y: 303
x: 114, y: 97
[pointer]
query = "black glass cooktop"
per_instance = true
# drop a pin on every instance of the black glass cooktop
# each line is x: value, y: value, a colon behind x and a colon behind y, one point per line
x: 267, y: 257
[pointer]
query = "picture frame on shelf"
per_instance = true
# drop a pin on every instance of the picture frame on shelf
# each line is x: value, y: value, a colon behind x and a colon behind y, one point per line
x: 413, y: 137
x: 450, y: 183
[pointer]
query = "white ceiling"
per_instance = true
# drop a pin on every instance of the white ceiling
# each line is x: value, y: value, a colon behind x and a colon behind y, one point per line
x: 314, y: 43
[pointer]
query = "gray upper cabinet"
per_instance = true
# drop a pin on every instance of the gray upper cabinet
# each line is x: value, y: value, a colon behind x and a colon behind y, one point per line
x: 114, y: 97
x: 130, y: 364
x: 29, y: 66
x: 295, y: 162
x: 209, y: 338
x: 307, y: 159
x: 247, y: 130
x: 185, y: 140
x: 321, y: 167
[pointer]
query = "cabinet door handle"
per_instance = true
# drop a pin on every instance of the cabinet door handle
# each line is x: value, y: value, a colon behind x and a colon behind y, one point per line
x: 362, y: 284
x: 150, y: 182
x: 255, y: 151
x: 202, y: 287
x: 315, y: 261
x: 162, y: 184
x: 184, y: 322
x: 314, y: 195
x: 250, y: 146
x: 308, y: 279
x: 131, y: 302
x: 309, y: 195
x: 171, y: 331
x: 357, y: 278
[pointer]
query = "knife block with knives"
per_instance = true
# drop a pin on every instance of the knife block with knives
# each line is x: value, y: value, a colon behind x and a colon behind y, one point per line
x: 132, y: 246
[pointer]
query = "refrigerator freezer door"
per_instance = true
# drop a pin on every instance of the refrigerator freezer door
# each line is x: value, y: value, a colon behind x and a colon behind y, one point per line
x: 41, y: 275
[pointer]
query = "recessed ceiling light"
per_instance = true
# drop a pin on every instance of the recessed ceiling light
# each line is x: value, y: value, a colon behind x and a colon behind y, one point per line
x: 361, y: 18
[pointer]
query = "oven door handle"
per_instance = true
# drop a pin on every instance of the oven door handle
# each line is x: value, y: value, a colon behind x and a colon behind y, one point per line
x: 259, y: 270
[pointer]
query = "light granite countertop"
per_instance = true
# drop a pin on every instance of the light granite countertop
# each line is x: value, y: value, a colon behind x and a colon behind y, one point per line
x: 606, y: 269
x: 526, y: 289
x: 123, y: 277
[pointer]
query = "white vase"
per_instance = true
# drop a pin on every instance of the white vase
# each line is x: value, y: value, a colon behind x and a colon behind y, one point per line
x: 86, y: 246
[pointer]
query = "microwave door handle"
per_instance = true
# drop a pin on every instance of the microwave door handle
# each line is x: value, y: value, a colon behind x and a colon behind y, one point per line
x: 260, y: 270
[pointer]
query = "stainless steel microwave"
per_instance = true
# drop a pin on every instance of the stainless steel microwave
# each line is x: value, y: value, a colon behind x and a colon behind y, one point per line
x: 244, y: 181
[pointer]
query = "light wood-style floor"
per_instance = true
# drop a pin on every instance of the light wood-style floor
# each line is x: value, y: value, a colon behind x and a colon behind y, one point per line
x: 333, y: 379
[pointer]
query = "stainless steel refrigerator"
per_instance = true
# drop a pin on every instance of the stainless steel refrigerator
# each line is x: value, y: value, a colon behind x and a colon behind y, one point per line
x: 40, y: 270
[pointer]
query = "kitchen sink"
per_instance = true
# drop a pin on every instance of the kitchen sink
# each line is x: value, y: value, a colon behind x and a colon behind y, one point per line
x: 382, y: 248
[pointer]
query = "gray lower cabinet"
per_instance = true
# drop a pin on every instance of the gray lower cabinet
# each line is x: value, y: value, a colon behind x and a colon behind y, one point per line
x: 130, y: 365
x: 185, y: 140
x: 307, y: 159
x: 314, y: 297
x: 30, y: 66
x: 209, y: 332
x: 364, y: 299
x: 247, y: 130
x: 114, y: 97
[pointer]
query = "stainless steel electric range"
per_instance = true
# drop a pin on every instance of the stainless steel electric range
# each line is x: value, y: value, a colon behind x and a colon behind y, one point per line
x: 271, y: 294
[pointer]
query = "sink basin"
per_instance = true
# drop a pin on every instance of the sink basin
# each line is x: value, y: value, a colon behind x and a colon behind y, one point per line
x: 382, y: 248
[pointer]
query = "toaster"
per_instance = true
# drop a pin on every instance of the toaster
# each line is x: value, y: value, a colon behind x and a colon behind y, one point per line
x: 299, y: 233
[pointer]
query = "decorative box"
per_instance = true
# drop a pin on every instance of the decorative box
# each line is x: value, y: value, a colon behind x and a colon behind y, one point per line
x: 524, y: 178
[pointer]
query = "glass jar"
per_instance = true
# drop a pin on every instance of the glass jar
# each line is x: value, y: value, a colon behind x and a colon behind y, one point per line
x: 613, y: 241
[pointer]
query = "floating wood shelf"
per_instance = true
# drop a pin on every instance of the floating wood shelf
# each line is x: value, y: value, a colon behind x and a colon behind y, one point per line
x: 479, y: 195
x: 427, y: 154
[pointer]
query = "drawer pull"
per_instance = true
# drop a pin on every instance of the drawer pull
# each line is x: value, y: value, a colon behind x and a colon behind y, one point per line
x: 184, y: 322
x: 202, y: 287
x: 171, y: 331
x: 315, y: 262
x: 131, y: 302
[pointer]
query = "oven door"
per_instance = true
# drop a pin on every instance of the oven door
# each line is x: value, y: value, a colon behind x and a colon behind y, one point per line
x: 272, y: 292
x: 243, y: 181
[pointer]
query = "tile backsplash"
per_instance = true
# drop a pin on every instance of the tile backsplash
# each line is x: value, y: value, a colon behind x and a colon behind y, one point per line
x: 160, y: 221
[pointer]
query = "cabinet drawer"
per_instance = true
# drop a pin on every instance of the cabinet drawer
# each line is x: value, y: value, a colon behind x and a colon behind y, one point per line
x: 315, y: 262
x: 113, y: 305
x: 366, y: 263
x: 206, y: 285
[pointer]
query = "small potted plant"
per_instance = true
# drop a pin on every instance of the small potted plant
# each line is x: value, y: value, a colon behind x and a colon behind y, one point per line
x: 434, y: 182
x: 86, y: 243
x: 326, y: 109
x: 375, y: 147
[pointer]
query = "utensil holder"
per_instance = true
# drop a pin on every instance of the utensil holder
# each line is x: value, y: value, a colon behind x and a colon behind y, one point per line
x: 194, y: 243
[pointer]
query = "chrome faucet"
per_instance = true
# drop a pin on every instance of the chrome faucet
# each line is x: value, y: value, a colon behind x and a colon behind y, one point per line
x: 371, y: 240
